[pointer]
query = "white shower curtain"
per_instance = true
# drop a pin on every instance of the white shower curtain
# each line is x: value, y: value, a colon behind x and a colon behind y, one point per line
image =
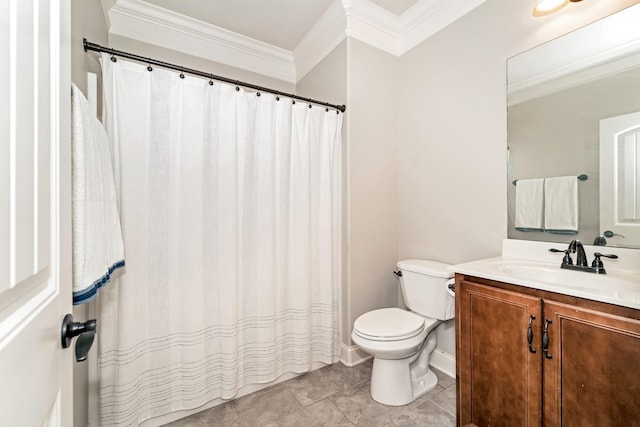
x: 231, y: 220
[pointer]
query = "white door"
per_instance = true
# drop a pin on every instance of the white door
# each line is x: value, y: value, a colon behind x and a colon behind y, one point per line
x: 35, y: 213
x: 620, y: 179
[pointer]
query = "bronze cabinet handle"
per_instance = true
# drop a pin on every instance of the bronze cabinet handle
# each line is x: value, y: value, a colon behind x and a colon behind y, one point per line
x: 530, y: 333
x: 545, y: 339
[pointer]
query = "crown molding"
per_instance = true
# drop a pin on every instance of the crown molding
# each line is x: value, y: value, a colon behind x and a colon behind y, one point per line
x: 372, y: 24
x: 396, y: 35
x: 576, y: 58
x: 322, y: 38
x: 575, y: 74
x: 106, y: 6
x: 427, y: 17
x: 360, y: 19
x: 148, y: 23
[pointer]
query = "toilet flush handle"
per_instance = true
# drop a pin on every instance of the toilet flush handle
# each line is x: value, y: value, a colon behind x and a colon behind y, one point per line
x: 451, y: 287
x: 398, y: 273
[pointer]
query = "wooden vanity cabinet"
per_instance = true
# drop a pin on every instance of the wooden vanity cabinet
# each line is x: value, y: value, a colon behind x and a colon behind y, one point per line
x: 498, y: 378
x: 588, y: 376
x: 593, y: 375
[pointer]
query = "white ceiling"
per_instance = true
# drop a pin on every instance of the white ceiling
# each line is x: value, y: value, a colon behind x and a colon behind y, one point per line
x: 397, y: 7
x: 280, y: 23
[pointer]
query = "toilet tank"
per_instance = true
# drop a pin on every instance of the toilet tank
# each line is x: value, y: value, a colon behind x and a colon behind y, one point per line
x: 424, y: 288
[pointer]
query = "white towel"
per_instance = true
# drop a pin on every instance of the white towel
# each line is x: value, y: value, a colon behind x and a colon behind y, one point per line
x: 97, y: 236
x: 561, y: 205
x: 529, y: 204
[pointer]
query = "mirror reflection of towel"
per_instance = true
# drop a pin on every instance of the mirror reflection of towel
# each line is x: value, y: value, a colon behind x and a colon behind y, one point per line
x: 529, y: 204
x: 561, y: 205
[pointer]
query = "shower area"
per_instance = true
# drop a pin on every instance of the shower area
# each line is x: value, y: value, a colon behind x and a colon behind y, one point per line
x: 230, y: 207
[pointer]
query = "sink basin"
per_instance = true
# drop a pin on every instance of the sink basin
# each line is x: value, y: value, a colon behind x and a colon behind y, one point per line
x: 530, y: 264
x: 553, y: 274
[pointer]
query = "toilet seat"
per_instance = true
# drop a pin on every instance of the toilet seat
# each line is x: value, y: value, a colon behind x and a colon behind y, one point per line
x: 389, y: 324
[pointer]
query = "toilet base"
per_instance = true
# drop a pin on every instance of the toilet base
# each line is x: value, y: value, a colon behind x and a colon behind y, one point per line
x: 401, y: 381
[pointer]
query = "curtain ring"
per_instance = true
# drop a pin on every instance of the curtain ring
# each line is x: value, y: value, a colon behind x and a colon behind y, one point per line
x: 310, y: 105
x: 113, y: 58
x: 210, y: 82
x: 149, y: 68
x: 258, y: 93
x: 182, y: 74
x: 293, y: 101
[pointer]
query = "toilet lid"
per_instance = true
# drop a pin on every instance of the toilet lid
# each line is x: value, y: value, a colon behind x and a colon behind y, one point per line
x: 388, y: 324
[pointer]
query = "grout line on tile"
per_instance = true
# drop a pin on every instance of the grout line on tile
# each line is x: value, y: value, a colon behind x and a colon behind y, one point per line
x: 441, y: 407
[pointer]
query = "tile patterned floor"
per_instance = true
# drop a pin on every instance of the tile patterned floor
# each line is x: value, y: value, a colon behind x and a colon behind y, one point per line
x: 332, y: 396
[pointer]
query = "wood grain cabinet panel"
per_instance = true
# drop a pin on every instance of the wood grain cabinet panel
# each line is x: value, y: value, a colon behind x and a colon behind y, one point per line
x: 500, y: 376
x: 588, y: 375
x: 593, y: 376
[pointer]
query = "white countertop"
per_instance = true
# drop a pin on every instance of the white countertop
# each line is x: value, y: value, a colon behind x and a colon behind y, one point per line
x: 530, y: 264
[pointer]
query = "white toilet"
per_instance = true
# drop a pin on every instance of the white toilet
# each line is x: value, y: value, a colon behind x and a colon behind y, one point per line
x: 401, y: 341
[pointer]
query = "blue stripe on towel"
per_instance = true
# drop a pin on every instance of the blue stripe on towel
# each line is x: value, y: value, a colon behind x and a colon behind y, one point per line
x: 80, y: 297
x: 552, y: 231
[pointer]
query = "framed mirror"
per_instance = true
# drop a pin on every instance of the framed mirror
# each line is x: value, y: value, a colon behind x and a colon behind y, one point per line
x: 573, y: 110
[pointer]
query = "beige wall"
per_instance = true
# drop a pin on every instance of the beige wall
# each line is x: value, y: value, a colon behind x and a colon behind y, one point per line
x: 87, y: 21
x: 327, y: 81
x: 372, y: 88
x: 452, y: 194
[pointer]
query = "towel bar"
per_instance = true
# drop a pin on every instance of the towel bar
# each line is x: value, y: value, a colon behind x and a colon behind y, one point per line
x: 582, y: 177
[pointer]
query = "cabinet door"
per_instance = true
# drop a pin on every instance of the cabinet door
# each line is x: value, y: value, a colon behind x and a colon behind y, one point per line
x: 499, y: 376
x: 593, y: 375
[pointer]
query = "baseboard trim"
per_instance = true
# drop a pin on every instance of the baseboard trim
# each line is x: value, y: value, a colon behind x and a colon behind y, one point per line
x: 444, y: 362
x: 352, y: 355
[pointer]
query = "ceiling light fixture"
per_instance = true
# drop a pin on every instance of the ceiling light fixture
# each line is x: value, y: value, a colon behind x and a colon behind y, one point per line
x: 547, y: 7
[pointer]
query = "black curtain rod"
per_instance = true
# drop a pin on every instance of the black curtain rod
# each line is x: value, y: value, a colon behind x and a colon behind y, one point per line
x: 97, y: 48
